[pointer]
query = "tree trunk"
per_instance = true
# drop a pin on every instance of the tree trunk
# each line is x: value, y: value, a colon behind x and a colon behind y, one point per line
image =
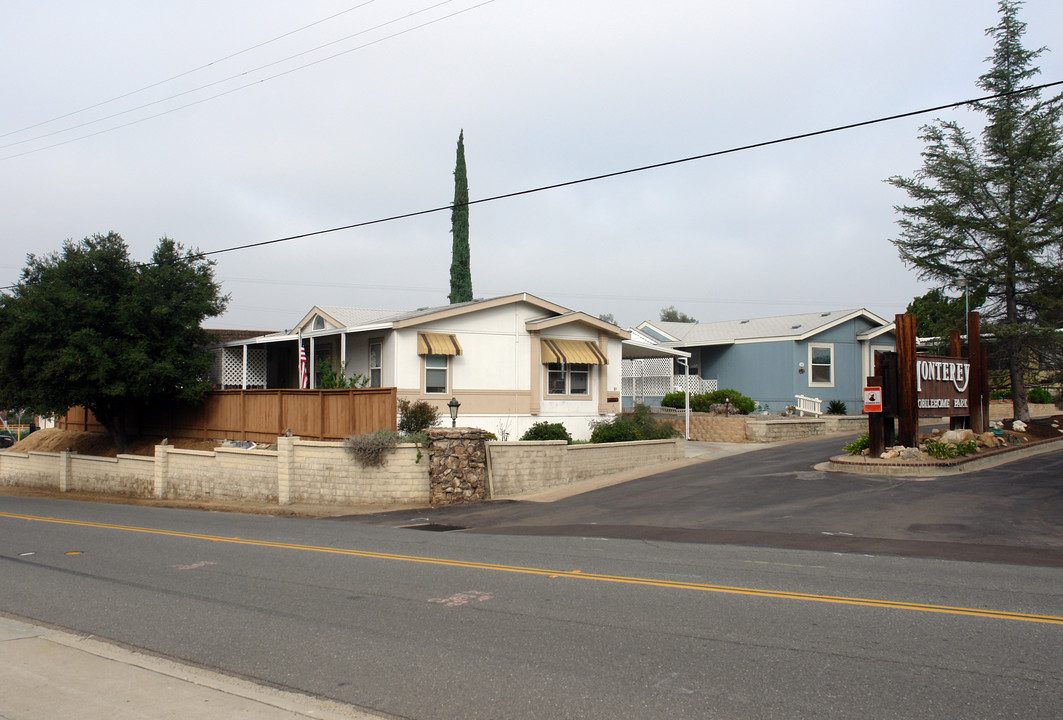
x: 114, y: 424
x: 1020, y: 406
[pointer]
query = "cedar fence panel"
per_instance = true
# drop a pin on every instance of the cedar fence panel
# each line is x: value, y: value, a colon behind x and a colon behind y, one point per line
x: 261, y: 415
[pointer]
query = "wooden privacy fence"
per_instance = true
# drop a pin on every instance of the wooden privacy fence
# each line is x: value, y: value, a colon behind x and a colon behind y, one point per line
x: 260, y: 415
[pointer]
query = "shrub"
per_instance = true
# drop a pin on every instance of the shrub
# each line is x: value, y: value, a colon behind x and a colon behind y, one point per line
x: 547, y: 431
x: 702, y: 402
x: 416, y: 417
x: 859, y: 445
x: 619, y: 429
x: 1039, y: 396
x: 837, y: 407
x: 372, y: 449
x: 649, y: 427
x: 329, y: 379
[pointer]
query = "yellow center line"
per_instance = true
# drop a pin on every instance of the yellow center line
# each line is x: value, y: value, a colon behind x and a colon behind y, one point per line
x: 573, y: 574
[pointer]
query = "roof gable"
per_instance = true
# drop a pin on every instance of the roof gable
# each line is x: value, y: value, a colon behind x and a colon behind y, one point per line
x: 577, y: 317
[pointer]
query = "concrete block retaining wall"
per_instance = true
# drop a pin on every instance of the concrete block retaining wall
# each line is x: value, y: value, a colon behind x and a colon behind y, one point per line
x: 523, y: 467
x: 312, y: 472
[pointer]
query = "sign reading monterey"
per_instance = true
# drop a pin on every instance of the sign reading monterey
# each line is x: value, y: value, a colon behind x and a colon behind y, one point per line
x: 941, y: 384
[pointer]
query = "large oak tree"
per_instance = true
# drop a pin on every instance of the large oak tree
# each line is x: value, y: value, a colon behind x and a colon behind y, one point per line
x: 88, y: 326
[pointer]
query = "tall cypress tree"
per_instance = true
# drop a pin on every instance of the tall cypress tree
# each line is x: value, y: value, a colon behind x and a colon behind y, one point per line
x: 460, y: 275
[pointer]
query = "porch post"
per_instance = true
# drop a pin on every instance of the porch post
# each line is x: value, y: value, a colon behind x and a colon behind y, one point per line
x: 310, y: 370
x: 243, y: 373
x: 536, y: 371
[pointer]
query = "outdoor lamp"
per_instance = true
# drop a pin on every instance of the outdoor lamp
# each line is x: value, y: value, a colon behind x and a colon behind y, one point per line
x: 453, y: 405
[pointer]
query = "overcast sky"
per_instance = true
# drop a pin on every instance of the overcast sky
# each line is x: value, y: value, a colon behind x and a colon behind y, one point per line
x: 547, y: 91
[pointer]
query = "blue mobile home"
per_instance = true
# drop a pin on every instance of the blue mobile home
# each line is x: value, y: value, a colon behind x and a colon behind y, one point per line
x: 824, y: 355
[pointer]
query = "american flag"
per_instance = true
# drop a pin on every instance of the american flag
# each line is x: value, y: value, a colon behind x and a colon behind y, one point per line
x: 303, y: 380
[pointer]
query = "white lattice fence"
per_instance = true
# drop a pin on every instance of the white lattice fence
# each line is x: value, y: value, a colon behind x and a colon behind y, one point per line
x: 230, y: 367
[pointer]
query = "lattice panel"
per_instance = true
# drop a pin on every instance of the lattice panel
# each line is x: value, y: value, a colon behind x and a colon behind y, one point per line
x: 647, y: 367
x: 232, y: 367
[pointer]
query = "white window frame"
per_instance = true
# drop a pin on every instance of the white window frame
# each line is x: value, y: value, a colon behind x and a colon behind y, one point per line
x: 379, y: 367
x: 814, y: 383
x: 567, y: 369
x: 429, y: 368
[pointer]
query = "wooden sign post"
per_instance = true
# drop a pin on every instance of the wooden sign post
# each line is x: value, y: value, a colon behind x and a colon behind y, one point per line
x: 915, y: 386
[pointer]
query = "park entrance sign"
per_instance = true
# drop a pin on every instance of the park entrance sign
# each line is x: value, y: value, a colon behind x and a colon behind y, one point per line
x: 917, y: 386
x: 941, y: 386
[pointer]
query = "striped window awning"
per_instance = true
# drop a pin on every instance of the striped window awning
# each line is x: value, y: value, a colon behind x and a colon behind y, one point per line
x: 437, y: 344
x: 572, y: 351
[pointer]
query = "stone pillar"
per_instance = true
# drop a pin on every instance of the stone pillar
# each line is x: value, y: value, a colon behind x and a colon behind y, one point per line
x: 285, y: 469
x: 162, y: 469
x: 457, y: 465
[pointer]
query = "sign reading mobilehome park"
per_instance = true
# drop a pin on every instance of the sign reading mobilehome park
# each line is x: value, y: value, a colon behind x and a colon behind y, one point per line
x: 941, y: 385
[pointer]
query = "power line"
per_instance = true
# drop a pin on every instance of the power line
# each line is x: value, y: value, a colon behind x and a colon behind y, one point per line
x: 618, y: 173
x: 185, y: 73
x: 238, y: 75
x: 643, y: 168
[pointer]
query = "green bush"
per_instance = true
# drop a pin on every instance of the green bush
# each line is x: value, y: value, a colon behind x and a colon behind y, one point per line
x: 649, y: 427
x: 417, y: 416
x: 837, y: 407
x: 701, y: 402
x: 547, y: 431
x: 1039, y: 396
x: 619, y: 429
x: 859, y: 445
x: 328, y: 378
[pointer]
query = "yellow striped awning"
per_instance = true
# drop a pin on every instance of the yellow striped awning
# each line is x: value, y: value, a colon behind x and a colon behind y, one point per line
x: 437, y: 344
x: 572, y: 351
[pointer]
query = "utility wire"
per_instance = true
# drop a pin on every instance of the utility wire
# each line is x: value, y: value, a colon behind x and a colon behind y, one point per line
x: 643, y: 168
x: 618, y: 173
x: 183, y: 74
x: 233, y: 77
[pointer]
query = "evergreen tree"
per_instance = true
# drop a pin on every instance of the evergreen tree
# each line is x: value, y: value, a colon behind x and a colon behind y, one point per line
x: 87, y: 326
x: 991, y: 212
x: 460, y: 274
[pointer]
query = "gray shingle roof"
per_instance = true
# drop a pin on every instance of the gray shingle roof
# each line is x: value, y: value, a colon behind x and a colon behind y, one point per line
x: 769, y: 328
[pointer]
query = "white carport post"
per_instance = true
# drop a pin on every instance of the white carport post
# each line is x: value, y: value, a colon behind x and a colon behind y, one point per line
x: 686, y: 393
x: 243, y: 377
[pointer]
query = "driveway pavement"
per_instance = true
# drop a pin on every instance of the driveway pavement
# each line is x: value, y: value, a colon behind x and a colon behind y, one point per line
x: 773, y: 496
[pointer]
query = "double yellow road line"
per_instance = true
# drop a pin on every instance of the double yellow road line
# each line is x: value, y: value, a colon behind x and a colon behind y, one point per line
x: 571, y: 574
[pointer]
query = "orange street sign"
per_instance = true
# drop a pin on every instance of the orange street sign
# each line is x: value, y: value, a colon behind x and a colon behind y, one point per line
x: 872, y: 399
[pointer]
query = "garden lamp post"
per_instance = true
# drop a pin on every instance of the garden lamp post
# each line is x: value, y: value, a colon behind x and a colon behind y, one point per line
x: 453, y: 405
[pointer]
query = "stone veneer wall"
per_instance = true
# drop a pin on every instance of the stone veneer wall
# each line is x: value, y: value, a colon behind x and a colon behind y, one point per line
x: 457, y: 465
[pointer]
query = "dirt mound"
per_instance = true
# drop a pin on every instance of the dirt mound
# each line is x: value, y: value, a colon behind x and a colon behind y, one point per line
x: 100, y: 444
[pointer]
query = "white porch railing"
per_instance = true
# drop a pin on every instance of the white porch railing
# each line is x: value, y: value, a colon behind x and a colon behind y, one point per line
x: 809, y: 405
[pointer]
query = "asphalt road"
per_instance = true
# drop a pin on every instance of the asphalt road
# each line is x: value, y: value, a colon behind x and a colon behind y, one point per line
x: 773, y: 497
x: 434, y: 625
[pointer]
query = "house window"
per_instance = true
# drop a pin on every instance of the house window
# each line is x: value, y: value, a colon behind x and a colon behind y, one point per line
x: 568, y: 379
x: 318, y: 323
x: 435, y: 373
x: 376, y: 355
x: 821, y: 365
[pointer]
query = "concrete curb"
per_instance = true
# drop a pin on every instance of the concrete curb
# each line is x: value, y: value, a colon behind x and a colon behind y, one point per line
x: 957, y: 466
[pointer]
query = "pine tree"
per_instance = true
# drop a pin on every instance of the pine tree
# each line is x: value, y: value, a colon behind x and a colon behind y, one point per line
x: 990, y: 213
x: 460, y: 275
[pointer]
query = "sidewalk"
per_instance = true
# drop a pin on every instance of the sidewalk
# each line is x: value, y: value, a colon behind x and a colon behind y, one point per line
x: 47, y: 674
